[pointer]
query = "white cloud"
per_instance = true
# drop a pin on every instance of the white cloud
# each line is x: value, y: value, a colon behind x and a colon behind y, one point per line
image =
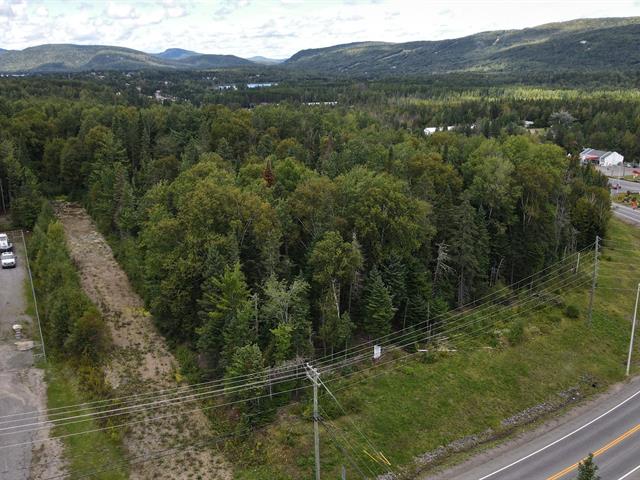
x: 176, y: 12
x: 120, y: 11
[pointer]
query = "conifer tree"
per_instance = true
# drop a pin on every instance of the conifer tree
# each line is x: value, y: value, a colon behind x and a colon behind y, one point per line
x: 227, y: 311
x: 378, y: 307
x: 587, y: 469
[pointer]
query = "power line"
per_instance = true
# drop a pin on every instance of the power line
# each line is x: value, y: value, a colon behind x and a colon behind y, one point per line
x: 325, y: 420
x: 223, y: 383
x: 507, y: 289
x: 111, y: 427
x: 262, y: 383
x: 462, y: 315
x: 463, y: 333
x: 136, y: 408
x: 404, y: 357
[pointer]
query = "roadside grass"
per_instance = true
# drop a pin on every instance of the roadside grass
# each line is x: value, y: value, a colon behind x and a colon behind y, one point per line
x: 89, y: 452
x: 31, y: 329
x: 5, y: 223
x: 408, y: 409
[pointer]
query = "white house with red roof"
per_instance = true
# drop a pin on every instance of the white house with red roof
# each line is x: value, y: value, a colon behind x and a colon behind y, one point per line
x: 600, y: 157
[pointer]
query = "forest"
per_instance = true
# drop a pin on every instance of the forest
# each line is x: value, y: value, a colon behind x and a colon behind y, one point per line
x: 260, y: 231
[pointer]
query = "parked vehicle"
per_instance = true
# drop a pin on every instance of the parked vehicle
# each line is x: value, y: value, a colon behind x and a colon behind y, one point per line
x: 5, y: 244
x: 8, y: 260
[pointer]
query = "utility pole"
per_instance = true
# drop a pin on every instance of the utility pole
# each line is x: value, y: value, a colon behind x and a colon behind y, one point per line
x: 633, y: 330
x: 578, y: 263
x: 314, y: 376
x: 593, y: 283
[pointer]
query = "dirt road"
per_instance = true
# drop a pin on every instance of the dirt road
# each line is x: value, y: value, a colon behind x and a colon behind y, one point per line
x: 141, y: 360
x: 22, y: 387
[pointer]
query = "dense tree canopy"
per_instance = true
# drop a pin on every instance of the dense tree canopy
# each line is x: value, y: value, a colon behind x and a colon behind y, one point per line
x: 256, y: 235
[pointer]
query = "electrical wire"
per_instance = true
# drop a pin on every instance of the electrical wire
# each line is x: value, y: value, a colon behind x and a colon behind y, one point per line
x: 218, y: 383
x: 413, y: 333
x: 378, y: 365
x: 325, y: 420
x: 132, y: 409
x: 221, y: 391
x: 262, y: 383
x: 484, y: 329
x: 353, y: 463
x: 125, y: 424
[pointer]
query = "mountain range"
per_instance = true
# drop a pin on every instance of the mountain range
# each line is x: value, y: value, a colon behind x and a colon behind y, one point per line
x: 584, y: 45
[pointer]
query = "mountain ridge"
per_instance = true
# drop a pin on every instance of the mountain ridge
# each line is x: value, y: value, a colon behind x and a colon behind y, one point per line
x: 577, y: 45
x: 175, y: 54
x: 580, y: 44
x: 68, y: 57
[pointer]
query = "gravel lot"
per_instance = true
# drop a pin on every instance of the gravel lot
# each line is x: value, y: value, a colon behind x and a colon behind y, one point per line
x: 22, y: 387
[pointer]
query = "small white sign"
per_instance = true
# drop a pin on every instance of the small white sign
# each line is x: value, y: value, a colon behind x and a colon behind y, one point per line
x: 377, y: 352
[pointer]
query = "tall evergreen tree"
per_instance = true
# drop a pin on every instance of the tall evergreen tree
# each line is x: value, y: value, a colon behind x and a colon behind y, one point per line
x: 378, y: 307
x: 469, y: 250
x: 226, y: 311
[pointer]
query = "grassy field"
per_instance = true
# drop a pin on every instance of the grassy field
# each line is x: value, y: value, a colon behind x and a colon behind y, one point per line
x: 407, y: 410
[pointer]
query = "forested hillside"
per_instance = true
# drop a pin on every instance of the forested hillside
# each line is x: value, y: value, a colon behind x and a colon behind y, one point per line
x: 73, y: 58
x: 280, y: 231
x: 586, y: 46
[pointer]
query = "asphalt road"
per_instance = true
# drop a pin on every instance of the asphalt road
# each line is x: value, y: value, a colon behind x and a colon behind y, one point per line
x: 626, y: 185
x: 626, y: 214
x: 608, y: 426
x: 21, y: 386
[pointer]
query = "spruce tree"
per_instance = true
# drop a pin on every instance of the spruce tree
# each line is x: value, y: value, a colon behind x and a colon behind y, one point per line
x: 226, y: 311
x: 587, y: 469
x: 394, y: 273
x: 378, y: 306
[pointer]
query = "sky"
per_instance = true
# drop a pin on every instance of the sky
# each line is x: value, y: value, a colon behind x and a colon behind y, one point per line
x: 275, y: 28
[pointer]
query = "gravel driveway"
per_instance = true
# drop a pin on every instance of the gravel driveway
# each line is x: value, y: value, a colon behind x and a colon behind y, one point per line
x: 22, y: 387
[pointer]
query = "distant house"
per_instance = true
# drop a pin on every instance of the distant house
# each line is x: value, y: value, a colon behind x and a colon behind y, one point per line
x: 599, y: 157
x: 528, y: 123
x: 431, y: 130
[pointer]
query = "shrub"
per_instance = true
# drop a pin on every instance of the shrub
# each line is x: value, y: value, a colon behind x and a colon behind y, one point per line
x: 516, y: 333
x: 188, y: 361
x: 572, y: 311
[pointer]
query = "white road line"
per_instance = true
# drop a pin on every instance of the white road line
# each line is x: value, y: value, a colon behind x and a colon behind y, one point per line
x: 629, y: 473
x: 562, y: 438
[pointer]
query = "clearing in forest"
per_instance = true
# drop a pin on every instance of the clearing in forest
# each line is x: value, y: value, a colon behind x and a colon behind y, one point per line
x: 140, y: 362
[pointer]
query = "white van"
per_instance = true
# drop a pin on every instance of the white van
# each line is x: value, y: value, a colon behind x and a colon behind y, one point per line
x: 8, y: 260
x: 5, y: 245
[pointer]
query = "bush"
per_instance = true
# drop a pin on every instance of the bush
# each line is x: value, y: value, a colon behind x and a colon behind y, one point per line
x: 88, y: 336
x: 516, y: 333
x: 188, y: 361
x: 92, y: 381
x: 572, y: 311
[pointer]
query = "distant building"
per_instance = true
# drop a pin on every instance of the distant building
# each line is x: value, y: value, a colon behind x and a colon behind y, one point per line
x: 528, y: 123
x: 599, y: 157
x: 431, y: 130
